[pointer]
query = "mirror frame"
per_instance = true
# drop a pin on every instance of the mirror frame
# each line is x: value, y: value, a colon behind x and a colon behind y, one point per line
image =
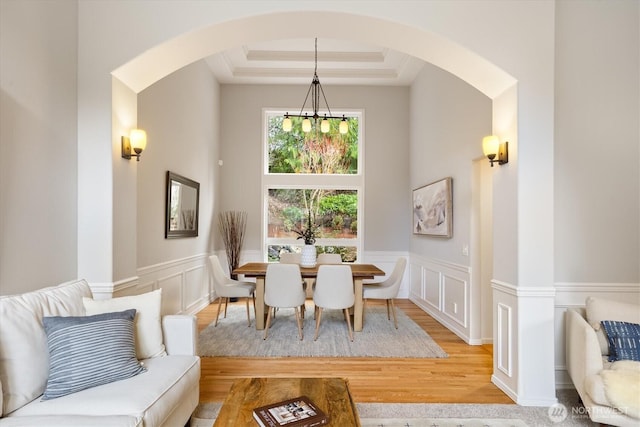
x: 168, y: 233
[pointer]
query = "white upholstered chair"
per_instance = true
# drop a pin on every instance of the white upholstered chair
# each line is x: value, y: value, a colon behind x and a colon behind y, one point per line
x: 283, y: 289
x: 290, y: 258
x: 329, y: 259
x: 387, y: 289
x: 334, y: 290
x: 226, y: 288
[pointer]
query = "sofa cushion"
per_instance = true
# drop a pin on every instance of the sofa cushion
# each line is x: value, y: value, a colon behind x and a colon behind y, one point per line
x: 598, y: 309
x: 89, y: 351
x: 24, y: 357
x: 624, y: 340
x: 148, y: 327
x: 153, y: 395
x: 72, y: 421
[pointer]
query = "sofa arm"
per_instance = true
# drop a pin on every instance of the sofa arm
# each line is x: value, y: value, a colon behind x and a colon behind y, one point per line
x: 180, y: 334
x: 583, y: 354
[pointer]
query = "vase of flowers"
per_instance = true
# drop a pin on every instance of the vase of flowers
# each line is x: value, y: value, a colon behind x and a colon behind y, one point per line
x: 308, y: 256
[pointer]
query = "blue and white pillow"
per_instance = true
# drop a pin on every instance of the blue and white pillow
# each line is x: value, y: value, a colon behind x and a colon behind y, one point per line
x: 624, y: 340
x: 89, y: 351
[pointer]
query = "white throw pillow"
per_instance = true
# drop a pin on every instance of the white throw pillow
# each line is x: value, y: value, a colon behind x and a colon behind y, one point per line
x: 149, y: 342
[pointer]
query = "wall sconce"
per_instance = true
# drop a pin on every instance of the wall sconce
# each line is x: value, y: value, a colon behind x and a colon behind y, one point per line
x: 494, y: 150
x: 137, y: 140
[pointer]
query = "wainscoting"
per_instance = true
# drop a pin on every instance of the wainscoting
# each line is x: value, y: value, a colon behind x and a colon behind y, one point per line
x: 184, y: 283
x: 443, y: 290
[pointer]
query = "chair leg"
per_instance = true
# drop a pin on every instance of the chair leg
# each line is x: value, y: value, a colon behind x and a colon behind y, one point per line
x: 218, y: 315
x: 346, y: 316
x: 388, y: 311
x: 266, y: 326
x: 226, y: 303
x: 393, y: 310
x: 318, y: 317
x: 299, y: 321
x: 248, y: 315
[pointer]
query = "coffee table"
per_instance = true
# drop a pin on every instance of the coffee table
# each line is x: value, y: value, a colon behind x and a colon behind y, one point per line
x: 330, y: 394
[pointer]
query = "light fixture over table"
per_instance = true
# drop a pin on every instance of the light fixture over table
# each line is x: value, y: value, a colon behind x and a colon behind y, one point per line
x: 316, y: 90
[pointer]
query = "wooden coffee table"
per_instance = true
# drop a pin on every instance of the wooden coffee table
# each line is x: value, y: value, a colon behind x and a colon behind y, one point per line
x: 330, y: 394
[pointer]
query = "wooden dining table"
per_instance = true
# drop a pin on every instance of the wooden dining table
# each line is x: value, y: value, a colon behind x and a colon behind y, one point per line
x: 360, y: 272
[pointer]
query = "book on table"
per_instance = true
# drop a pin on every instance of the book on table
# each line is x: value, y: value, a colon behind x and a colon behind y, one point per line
x: 297, y: 412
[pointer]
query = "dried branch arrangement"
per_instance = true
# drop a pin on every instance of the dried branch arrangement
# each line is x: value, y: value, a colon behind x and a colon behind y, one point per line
x: 232, y: 225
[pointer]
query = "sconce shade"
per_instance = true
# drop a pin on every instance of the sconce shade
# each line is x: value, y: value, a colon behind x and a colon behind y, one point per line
x: 494, y: 150
x: 136, y: 142
x: 490, y: 145
x: 138, y: 139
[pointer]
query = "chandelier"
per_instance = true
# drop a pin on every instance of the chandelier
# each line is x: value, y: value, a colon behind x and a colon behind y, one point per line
x: 315, y: 90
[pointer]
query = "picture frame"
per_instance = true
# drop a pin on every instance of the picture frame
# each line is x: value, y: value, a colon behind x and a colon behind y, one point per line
x: 433, y: 209
x: 183, y: 203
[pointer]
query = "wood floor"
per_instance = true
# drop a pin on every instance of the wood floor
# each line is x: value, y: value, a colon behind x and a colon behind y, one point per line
x: 463, y: 377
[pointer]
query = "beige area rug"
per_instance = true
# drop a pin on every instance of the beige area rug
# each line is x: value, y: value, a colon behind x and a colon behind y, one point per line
x: 379, y: 337
x: 449, y: 415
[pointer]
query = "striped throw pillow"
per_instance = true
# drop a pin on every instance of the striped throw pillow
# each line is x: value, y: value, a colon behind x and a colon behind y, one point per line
x: 89, y: 351
x: 624, y: 340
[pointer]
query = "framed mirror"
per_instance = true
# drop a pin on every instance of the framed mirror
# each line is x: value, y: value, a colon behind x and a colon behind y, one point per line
x: 183, y: 198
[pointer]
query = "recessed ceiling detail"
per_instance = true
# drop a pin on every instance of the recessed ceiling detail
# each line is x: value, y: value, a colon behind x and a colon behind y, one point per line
x: 292, y: 62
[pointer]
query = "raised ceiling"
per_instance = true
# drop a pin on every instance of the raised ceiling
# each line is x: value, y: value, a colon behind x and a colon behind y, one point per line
x: 291, y: 61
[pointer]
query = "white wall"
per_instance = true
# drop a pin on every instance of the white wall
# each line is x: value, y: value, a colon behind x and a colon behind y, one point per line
x: 386, y: 139
x: 597, y: 134
x: 38, y: 140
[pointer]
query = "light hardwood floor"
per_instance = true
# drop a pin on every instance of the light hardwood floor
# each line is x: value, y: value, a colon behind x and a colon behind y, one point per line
x: 463, y: 377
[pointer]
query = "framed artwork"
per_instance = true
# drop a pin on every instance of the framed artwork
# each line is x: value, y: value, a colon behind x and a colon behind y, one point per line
x: 183, y: 198
x: 433, y: 210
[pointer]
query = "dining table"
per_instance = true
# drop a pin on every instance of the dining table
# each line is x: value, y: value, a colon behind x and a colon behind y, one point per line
x: 360, y: 272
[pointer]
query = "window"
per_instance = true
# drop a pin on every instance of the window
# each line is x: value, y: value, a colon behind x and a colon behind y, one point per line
x: 312, y: 173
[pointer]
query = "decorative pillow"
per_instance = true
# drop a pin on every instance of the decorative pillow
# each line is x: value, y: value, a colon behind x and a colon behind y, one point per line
x: 149, y: 342
x: 89, y: 351
x: 624, y: 340
x: 599, y: 309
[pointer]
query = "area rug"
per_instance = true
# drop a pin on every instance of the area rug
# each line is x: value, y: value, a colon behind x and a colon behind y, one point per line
x: 379, y: 337
x: 449, y: 415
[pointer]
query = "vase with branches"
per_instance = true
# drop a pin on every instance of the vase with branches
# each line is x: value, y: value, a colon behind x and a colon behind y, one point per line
x: 308, y: 256
x: 232, y: 225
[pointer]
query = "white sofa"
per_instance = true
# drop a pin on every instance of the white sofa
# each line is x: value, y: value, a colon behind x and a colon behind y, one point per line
x: 610, y: 391
x: 165, y: 395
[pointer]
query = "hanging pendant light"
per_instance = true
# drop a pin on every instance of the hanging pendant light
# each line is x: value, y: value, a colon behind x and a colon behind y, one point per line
x: 316, y: 90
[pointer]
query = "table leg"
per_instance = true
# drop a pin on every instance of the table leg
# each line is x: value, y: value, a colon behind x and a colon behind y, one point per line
x: 358, y: 306
x: 260, y: 307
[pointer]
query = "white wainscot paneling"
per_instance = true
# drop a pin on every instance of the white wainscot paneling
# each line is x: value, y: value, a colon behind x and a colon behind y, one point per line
x: 171, y: 293
x: 442, y: 289
x: 455, y: 299
x: 195, y: 281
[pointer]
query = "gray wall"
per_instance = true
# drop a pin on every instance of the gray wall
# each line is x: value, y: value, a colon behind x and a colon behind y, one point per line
x: 38, y: 141
x: 386, y: 130
x: 180, y: 114
x: 448, y: 120
x: 597, y: 142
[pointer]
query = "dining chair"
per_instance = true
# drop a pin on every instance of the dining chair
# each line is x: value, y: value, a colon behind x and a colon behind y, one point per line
x: 283, y: 289
x: 290, y: 258
x: 387, y: 289
x: 226, y: 288
x: 329, y: 259
x: 334, y: 290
